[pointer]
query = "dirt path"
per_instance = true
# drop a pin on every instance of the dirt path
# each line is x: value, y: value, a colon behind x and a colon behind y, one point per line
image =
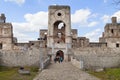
x: 64, y: 71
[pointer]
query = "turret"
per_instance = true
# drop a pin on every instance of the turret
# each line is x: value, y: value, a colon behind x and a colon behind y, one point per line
x: 2, y: 18
x: 114, y: 19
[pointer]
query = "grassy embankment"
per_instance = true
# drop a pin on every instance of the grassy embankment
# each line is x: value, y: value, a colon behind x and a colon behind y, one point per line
x: 7, y: 73
x: 108, y: 74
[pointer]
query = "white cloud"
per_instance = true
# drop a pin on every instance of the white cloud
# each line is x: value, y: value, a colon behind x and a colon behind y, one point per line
x: 16, y: 1
x: 92, y: 24
x: 106, y: 18
x: 40, y: 18
x: 81, y: 18
x: 34, y: 22
x: 94, y: 35
x: 105, y: 1
x: 117, y: 14
x: 23, y: 37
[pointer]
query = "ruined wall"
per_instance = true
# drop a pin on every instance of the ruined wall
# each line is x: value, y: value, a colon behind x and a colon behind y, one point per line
x: 30, y: 57
x: 98, y: 57
x: 80, y: 42
x: 74, y: 33
x: 42, y: 34
x: 96, y: 44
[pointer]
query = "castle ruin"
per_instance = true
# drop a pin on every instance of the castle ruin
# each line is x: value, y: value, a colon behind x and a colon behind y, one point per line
x: 60, y: 37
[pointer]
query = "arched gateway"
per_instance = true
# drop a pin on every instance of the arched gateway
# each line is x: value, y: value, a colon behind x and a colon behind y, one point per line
x: 60, y: 54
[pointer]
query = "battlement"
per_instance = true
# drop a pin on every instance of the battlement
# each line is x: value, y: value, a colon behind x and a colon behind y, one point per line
x: 59, y: 7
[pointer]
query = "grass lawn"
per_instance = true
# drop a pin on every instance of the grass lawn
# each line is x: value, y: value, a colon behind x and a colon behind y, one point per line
x: 108, y: 74
x: 7, y: 73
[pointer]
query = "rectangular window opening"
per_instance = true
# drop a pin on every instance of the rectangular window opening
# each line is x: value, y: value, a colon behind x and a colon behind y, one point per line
x: 117, y: 45
x: 0, y: 45
x: 111, y: 30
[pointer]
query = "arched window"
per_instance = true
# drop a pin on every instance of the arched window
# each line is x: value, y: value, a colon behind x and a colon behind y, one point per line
x: 59, y: 32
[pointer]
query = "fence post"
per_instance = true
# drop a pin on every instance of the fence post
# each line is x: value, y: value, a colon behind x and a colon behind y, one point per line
x: 41, y: 61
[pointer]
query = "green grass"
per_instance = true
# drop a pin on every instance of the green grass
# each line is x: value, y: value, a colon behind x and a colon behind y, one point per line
x: 7, y: 73
x: 108, y: 74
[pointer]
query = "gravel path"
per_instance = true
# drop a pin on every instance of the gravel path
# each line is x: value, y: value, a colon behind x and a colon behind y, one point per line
x: 64, y: 71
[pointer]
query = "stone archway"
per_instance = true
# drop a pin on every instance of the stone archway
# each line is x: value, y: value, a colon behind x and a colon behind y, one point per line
x: 60, y: 53
x: 59, y: 32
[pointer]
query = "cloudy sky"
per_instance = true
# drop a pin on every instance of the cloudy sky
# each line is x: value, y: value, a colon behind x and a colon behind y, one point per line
x: 29, y: 16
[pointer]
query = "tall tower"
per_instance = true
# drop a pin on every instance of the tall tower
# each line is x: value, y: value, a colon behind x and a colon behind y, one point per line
x: 59, y: 28
x: 59, y: 25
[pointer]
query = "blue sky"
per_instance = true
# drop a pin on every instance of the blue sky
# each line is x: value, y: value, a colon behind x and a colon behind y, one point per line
x: 28, y: 16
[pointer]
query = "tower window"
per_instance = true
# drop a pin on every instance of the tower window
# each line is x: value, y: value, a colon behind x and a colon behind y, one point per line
x: 58, y: 42
x: 0, y: 45
x: 117, y: 45
x: 32, y: 44
x: 59, y: 14
x: 60, y: 25
x: 111, y: 30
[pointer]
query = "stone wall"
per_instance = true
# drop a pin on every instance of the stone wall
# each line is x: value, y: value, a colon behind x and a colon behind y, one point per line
x: 30, y: 57
x: 76, y: 63
x: 98, y: 57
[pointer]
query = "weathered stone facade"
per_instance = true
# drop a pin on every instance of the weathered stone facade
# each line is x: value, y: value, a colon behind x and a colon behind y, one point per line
x: 111, y: 36
x: 60, y: 37
x: 6, y: 34
x: 29, y: 57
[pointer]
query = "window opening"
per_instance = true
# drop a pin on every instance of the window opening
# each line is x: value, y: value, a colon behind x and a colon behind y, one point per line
x: 117, y: 45
x: 111, y: 30
x: 59, y: 14
x: 60, y: 25
x: 0, y: 45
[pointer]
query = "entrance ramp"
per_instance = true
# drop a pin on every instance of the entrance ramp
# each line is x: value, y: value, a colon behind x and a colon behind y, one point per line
x: 63, y: 71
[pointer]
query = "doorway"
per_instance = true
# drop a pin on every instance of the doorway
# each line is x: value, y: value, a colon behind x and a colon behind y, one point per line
x: 59, y: 55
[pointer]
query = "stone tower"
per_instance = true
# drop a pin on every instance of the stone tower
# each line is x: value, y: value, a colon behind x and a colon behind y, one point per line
x: 6, y: 34
x: 111, y: 35
x: 59, y: 28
